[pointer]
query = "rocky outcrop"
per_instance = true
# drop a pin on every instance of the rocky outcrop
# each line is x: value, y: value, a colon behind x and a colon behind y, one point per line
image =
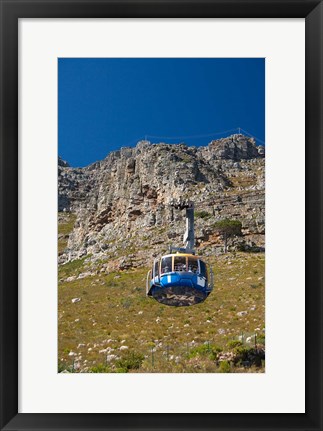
x: 122, y: 202
x: 62, y: 162
x: 236, y: 147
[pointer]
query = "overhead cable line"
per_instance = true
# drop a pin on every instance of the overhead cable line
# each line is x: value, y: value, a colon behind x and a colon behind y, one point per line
x: 253, y: 136
x: 192, y: 136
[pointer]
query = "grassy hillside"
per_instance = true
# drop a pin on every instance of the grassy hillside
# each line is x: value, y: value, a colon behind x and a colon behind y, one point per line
x: 65, y: 226
x: 106, y: 323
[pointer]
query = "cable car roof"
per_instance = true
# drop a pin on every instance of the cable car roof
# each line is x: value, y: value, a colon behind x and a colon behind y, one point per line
x: 193, y: 256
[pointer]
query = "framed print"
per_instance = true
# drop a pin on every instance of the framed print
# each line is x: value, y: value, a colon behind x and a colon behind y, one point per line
x: 145, y: 148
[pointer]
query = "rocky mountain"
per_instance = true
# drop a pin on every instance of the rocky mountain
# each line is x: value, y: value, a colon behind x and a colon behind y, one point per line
x: 121, y: 204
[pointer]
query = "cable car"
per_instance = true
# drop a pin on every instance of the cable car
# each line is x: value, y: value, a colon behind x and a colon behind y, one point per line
x: 180, y: 278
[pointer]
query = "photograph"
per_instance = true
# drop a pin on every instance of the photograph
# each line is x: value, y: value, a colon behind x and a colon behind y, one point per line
x: 148, y: 238
x: 161, y: 215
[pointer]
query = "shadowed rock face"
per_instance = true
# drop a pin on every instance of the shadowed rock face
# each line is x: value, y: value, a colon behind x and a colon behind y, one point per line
x: 62, y: 162
x: 122, y: 207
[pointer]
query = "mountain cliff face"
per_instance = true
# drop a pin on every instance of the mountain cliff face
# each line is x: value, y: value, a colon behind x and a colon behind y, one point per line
x: 123, y: 216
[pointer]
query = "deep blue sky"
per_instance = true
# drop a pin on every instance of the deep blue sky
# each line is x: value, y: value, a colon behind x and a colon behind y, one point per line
x: 105, y: 104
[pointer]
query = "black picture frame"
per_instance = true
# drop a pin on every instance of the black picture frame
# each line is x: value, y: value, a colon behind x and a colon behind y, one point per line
x: 11, y: 11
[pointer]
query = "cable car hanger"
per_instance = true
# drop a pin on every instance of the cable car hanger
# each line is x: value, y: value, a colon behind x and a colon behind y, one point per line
x: 180, y: 278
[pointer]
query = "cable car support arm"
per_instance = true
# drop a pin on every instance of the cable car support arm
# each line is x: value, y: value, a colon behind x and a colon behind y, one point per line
x: 189, y: 236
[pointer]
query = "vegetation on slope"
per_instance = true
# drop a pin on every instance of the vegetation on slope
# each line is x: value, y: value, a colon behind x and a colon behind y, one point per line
x: 106, y: 323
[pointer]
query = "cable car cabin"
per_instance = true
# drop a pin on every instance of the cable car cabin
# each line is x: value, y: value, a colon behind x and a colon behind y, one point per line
x: 179, y: 279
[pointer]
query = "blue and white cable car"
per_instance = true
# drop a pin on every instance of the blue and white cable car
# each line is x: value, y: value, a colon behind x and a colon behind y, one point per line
x: 181, y: 278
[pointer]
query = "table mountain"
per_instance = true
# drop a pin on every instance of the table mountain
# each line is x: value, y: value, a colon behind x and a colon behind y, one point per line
x: 121, y: 204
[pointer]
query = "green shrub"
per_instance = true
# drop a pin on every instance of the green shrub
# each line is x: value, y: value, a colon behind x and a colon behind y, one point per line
x: 72, y: 267
x: 205, y: 350
x: 121, y: 370
x: 234, y: 343
x: 100, y: 368
x: 202, y: 214
x: 230, y: 227
x: 131, y: 361
x: 224, y: 367
x: 261, y: 339
x: 64, y: 367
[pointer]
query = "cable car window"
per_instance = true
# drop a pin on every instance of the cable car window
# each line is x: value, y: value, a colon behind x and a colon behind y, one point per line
x: 179, y: 263
x: 156, y: 269
x: 203, y: 268
x: 192, y: 265
x: 166, y: 264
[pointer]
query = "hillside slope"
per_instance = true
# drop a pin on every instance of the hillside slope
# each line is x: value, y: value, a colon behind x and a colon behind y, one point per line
x: 114, y: 217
